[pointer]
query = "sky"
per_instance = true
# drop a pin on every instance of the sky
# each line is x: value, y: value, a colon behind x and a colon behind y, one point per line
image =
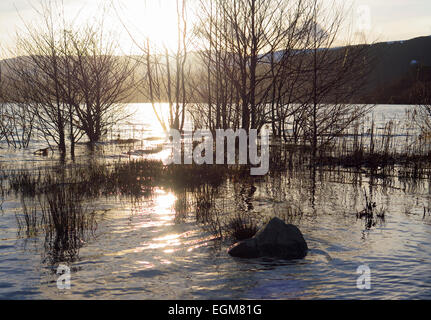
x: 156, y: 19
x: 398, y: 19
x: 379, y: 20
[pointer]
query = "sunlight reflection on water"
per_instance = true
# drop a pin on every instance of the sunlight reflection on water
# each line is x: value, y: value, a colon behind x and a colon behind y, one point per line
x: 143, y: 251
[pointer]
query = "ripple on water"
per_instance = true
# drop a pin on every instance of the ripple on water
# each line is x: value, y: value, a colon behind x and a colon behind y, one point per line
x: 141, y: 251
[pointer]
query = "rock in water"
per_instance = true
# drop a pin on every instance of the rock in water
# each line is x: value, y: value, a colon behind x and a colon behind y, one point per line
x: 276, y: 239
x: 245, y: 249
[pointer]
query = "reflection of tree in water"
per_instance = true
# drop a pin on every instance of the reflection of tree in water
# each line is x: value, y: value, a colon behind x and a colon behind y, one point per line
x: 246, y: 195
x: 295, y: 195
x: 217, y: 208
x: 181, y: 206
x: 65, y: 223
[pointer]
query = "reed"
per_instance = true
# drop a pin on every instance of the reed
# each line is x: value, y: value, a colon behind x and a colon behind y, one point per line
x: 241, y: 226
x: 370, y: 214
x: 63, y: 220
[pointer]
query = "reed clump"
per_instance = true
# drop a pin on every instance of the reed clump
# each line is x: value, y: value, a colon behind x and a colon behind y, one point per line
x: 28, y: 222
x: 25, y: 183
x: 63, y: 220
x: 370, y: 214
x: 241, y: 226
x: 68, y: 225
x: 132, y: 178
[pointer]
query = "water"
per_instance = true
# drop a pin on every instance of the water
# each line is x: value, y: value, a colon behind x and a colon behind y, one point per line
x: 150, y: 250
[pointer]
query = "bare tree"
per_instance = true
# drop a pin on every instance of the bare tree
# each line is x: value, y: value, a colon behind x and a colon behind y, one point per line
x: 102, y: 81
x: 337, y: 75
x: 420, y: 116
x: 166, y: 73
x: 16, y: 125
x: 33, y: 78
x: 248, y: 48
x: 69, y: 78
x: 16, y: 121
x: 274, y: 62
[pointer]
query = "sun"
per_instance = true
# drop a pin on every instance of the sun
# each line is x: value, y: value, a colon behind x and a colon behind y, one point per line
x: 156, y: 20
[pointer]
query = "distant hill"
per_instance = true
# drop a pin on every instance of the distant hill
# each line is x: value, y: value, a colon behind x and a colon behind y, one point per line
x: 405, y: 89
x: 397, y: 68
